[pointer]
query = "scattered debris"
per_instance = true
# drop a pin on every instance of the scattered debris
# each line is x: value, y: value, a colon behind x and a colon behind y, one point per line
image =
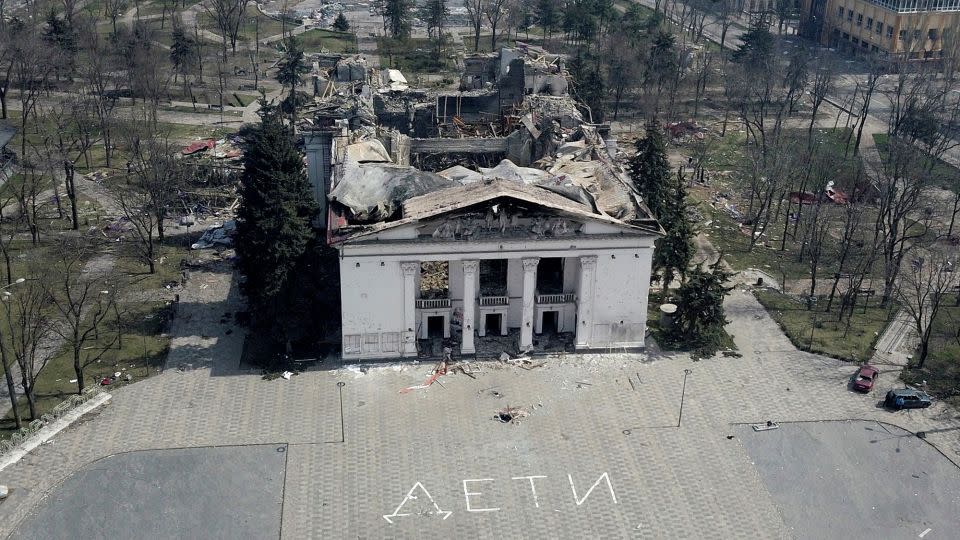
x: 441, y: 369
x: 286, y: 375
x: 766, y: 427
x: 511, y: 415
x: 218, y: 235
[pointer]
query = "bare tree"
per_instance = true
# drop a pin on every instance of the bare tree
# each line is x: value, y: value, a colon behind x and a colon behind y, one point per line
x: 703, y: 68
x: 228, y: 15
x: 135, y: 205
x: 494, y: 12
x: 82, y: 304
x: 64, y: 130
x: 159, y: 176
x: 922, y: 293
x: 475, y: 11
x: 101, y: 83
x: 27, y: 327
x: 901, y: 187
x: 8, y: 230
x: 35, y: 178
x: 821, y: 87
x: 31, y: 68
x: 113, y: 9
x: 8, y: 361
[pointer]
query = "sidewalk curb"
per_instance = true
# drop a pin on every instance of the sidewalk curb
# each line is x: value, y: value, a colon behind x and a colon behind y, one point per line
x: 47, y: 432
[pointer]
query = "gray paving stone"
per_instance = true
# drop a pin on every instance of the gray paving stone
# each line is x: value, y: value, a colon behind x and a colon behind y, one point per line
x: 690, y: 481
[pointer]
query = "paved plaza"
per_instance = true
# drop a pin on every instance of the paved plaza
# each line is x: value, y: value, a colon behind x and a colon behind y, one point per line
x: 596, y: 451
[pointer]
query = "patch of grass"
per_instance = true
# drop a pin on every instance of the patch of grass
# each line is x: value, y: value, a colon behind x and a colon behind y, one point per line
x: 184, y: 132
x: 328, y: 41
x: 942, y: 174
x: 174, y: 250
x: 204, y: 110
x: 248, y: 28
x: 819, y: 332
x: 411, y: 56
x: 942, y: 367
x: 242, y: 100
x: 143, y: 352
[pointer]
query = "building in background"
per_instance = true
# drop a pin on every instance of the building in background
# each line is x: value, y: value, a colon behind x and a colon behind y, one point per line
x: 912, y: 29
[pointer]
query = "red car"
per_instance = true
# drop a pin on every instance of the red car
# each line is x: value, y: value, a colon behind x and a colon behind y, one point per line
x: 865, y: 378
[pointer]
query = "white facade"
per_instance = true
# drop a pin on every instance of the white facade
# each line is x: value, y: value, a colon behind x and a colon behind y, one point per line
x: 605, y: 280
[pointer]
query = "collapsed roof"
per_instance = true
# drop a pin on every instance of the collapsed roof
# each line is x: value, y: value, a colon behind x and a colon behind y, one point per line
x: 512, y: 111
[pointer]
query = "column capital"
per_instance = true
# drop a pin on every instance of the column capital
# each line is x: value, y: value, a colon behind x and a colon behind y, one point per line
x: 471, y: 267
x: 410, y: 268
x: 588, y: 262
x: 530, y: 263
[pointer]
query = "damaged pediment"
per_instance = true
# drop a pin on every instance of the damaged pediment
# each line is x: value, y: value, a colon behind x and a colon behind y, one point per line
x: 500, y: 220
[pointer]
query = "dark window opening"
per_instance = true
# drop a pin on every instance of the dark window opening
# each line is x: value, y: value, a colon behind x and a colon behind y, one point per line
x: 551, y: 322
x: 550, y: 276
x: 435, y: 327
x: 493, y: 323
x: 493, y: 277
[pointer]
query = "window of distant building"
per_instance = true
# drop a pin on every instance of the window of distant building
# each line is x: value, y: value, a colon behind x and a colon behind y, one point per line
x: 879, y: 28
x: 869, y: 24
x: 849, y: 14
x: 889, y: 32
x: 915, y: 6
x: 841, y: 12
x: 933, y: 34
x: 859, y: 19
x: 916, y: 34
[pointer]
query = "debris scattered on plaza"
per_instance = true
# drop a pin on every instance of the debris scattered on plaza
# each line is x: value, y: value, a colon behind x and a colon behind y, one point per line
x: 511, y: 415
x: 766, y: 427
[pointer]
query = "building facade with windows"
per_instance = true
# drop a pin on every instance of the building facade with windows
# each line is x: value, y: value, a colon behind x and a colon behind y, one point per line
x: 913, y: 29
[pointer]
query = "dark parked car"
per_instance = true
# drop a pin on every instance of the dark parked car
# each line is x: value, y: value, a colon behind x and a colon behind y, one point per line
x: 866, y: 376
x: 907, y: 398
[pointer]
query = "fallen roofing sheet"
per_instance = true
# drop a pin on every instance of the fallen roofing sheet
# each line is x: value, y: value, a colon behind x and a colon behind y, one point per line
x: 507, y: 170
x: 369, y: 151
x: 198, y: 146
x: 457, y: 197
x: 374, y: 191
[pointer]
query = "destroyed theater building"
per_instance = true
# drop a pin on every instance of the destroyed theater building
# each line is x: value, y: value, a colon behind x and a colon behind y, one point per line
x: 496, y: 213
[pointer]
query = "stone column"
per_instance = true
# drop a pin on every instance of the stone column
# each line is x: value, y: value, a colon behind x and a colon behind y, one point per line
x: 409, y: 334
x: 470, y: 269
x: 529, y: 290
x: 588, y: 281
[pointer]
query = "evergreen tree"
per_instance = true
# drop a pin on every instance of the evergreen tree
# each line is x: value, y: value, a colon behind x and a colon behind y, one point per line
x: 62, y: 37
x: 700, y: 316
x: 341, y: 23
x: 548, y: 16
x: 183, y: 52
x: 756, y: 51
x: 650, y: 169
x: 290, y: 71
x: 277, y: 208
x: 434, y: 14
x: 675, y: 250
x: 399, y: 17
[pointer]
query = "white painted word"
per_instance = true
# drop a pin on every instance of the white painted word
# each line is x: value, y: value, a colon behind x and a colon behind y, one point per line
x: 473, y: 494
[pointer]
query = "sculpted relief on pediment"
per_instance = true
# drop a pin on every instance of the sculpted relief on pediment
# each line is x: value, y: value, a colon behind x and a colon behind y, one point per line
x: 500, y: 222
